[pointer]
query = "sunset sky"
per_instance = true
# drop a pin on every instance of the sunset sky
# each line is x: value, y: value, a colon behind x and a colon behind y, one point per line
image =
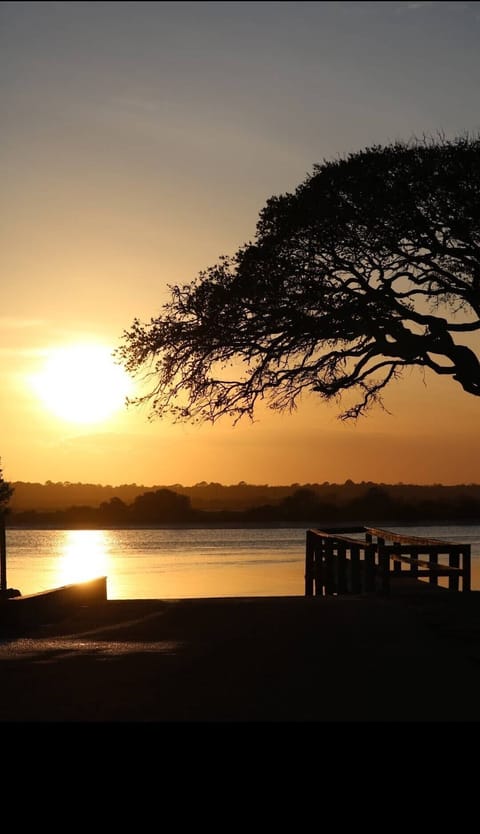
x: 139, y: 142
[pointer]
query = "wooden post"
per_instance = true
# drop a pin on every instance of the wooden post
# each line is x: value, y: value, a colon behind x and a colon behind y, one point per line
x: 454, y: 562
x: 384, y: 566
x: 318, y: 566
x: 355, y: 568
x: 329, y: 574
x: 414, y: 554
x: 370, y: 566
x: 466, y: 555
x: 397, y: 565
x: 341, y: 569
x: 378, y: 560
x: 309, y: 565
x: 3, y: 554
x: 433, y: 559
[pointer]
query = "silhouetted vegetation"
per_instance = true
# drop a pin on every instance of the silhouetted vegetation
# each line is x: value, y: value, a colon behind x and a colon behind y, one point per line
x: 370, y: 267
x: 6, y: 491
x: 163, y: 505
x: 314, y: 504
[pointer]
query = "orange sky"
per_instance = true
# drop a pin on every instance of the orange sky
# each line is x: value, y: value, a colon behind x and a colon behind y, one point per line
x: 140, y: 141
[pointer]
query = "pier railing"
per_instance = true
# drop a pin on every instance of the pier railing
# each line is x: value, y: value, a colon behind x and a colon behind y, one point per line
x: 356, y: 560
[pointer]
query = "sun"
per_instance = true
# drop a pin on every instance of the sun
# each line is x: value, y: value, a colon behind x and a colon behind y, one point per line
x: 82, y: 384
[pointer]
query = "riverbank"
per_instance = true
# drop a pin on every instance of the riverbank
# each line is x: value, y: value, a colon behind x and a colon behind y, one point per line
x: 269, y: 659
x: 244, y: 525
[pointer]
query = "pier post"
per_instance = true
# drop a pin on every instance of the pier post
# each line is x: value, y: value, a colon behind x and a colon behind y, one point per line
x: 433, y: 559
x: 3, y: 554
x: 356, y: 586
x: 466, y: 565
x: 309, y: 564
x: 454, y: 562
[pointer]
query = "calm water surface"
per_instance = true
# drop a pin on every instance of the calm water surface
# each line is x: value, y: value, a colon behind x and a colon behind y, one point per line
x: 186, y: 562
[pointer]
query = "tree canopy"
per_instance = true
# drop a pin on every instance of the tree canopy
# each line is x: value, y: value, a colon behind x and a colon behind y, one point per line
x: 6, y: 491
x: 370, y: 267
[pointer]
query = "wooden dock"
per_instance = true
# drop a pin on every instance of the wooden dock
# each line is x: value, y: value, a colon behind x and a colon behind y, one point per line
x: 359, y: 560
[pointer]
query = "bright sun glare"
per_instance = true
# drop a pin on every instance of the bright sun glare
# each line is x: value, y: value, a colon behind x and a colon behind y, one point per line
x: 84, y: 556
x: 82, y: 383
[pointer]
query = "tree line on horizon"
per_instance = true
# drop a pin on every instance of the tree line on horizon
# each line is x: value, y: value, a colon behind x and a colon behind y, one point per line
x: 61, y: 495
x: 368, y: 504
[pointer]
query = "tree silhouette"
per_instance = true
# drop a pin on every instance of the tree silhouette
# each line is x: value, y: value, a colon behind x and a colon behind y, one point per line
x: 371, y: 266
x: 162, y: 505
x: 6, y: 492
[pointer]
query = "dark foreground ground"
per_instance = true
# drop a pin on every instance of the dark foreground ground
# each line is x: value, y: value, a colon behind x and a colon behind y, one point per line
x: 252, y: 659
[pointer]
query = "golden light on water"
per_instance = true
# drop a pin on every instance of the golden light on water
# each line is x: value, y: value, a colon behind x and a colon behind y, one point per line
x: 84, y: 556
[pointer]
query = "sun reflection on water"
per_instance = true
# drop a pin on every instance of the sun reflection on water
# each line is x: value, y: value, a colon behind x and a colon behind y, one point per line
x: 83, y: 556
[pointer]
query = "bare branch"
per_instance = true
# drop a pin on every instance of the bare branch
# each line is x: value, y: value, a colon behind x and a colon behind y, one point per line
x: 371, y: 265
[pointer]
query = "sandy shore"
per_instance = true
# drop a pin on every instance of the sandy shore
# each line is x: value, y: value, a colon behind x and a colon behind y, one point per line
x: 272, y: 659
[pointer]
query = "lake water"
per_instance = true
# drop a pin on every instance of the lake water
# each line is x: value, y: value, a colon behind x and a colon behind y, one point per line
x: 182, y: 562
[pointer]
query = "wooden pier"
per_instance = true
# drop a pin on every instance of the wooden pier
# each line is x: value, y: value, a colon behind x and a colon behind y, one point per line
x: 358, y: 560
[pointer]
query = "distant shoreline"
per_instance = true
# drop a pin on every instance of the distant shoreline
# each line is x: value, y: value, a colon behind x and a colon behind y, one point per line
x: 73, y: 507
x: 236, y: 525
